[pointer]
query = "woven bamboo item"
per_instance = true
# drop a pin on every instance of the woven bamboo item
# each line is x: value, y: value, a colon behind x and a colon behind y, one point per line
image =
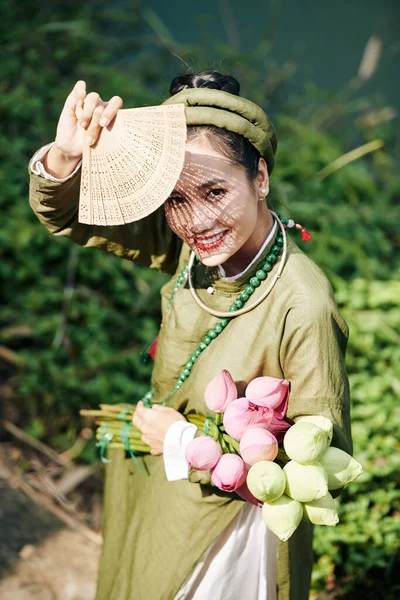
x: 134, y: 166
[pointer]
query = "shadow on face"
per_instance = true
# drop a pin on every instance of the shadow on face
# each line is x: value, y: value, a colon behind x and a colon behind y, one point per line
x: 213, y: 207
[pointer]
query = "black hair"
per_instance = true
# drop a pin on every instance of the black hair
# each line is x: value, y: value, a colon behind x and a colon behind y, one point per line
x: 232, y: 145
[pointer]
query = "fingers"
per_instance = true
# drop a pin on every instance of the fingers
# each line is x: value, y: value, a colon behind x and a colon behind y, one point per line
x: 91, y: 102
x: 76, y: 96
x: 98, y: 114
x: 155, y: 445
x: 111, y: 110
x: 94, y: 127
x: 137, y: 418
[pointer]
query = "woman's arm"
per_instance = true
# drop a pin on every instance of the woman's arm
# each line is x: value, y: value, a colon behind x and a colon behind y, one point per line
x: 313, y: 360
x: 150, y: 242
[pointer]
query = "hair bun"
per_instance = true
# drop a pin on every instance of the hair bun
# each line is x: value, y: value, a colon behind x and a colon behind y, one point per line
x: 206, y: 79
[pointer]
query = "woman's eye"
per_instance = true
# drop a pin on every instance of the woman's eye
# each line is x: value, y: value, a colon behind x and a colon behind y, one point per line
x: 216, y: 192
x: 176, y: 200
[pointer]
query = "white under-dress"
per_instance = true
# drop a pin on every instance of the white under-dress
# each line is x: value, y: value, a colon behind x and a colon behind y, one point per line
x: 241, y: 563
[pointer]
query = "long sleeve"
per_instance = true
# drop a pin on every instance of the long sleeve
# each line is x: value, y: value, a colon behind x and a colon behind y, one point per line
x: 37, y: 166
x: 313, y: 359
x: 149, y: 242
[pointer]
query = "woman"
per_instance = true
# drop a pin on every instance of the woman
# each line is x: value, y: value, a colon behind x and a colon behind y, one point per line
x: 173, y: 535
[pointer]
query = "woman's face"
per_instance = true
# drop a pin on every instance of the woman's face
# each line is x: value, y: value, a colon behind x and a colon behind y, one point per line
x: 216, y: 211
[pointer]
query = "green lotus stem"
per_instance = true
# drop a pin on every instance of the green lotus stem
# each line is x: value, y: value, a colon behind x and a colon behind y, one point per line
x: 218, y: 419
x: 231, y: 442
x: 116, y: 410
x: 103, y: 415
x: 109, y: 413
x: 120, y: 445
x: 223, y: 444
x: 117, y: 431
x: 117, y: 407
x: 115, y: 427
x: 134, y: 444
x: 192, y: 418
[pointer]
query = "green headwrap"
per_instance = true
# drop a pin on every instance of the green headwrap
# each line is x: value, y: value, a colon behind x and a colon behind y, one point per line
x: 205, y: 106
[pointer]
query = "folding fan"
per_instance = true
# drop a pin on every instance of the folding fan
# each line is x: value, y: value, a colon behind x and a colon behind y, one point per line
x: 134, y: 166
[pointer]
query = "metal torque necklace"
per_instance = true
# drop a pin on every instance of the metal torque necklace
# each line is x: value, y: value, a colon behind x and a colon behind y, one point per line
x: 236, y: 309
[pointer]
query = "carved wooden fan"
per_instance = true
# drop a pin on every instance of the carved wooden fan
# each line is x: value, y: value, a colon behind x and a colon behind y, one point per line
x: 134, y: 166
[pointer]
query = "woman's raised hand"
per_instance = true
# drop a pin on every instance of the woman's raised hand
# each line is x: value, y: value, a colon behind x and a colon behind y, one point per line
x: 81, y: 111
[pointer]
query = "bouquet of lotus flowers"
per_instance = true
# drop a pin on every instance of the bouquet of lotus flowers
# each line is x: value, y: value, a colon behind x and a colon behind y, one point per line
x: 243, y: 450
x: 300, y: 490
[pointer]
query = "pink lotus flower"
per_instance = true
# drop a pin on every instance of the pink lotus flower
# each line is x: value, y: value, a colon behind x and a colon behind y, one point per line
x: 241, y: 414
x: 229, y: 473
x: 258, y: 444
x: 278, y: 427
x: 220, y: 392
x: 203, y: 453
x: 269, y: 391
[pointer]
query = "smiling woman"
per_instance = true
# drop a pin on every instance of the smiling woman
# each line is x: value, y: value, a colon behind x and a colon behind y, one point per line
x: 217, y: 210
x: 171, y: 534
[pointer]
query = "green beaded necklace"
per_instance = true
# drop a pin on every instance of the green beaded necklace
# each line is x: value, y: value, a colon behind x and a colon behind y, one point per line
x: 254, y: 282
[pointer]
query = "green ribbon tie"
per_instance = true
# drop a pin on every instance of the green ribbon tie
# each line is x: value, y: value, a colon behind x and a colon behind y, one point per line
x: 124, y: 412
x: 124, y: 435
x: 105, y: 439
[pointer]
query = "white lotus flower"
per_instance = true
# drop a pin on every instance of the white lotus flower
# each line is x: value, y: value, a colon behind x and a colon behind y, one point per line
x: 283, y: 516
x: 321, y: 512
x: 305, y: 483
x: 340, y: 467
x: 305, y: 442
x: 321, y: 422
x: 266, y: 481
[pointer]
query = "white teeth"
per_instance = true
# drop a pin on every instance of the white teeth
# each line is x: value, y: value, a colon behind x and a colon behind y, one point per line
x: 211, y: 240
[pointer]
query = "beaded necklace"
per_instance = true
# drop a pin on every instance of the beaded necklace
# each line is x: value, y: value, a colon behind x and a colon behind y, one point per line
x: 254, y: 282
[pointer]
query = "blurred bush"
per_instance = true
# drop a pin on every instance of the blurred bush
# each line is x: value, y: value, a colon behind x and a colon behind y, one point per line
x: 73, y: 321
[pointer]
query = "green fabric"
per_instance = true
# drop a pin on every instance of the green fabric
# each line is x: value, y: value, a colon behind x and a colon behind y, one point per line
x: 213, y: 107
x: 155, y: 530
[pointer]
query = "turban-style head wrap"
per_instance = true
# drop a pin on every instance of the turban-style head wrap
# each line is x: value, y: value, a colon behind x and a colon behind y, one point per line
x: 205, y: 106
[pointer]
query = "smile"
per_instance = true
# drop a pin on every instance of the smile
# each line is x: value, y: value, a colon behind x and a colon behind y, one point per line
x: 212, y: 242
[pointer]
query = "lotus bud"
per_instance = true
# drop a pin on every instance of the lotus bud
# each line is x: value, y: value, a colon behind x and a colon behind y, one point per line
x: 321, y: 512
x: 283, y: 516
x: 229, y: 473
x: 267, y: 391
x: 220, y: 392
x: 240, y: 415
x: 258, y: 444
x: 305, y: 483
x: 305, y: 443
x: 266, y: 481
x: 340, y: 467
x: 203, y: 453
x: 278, y: 427
x: 321, y: 422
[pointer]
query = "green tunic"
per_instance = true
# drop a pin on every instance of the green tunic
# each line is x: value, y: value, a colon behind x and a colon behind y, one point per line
x: 154, y: 530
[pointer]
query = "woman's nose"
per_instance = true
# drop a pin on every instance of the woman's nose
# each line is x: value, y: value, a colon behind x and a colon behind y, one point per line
x: 201, y: 219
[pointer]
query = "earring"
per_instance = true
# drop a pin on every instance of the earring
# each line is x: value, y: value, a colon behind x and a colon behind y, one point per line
x: 263, y: 191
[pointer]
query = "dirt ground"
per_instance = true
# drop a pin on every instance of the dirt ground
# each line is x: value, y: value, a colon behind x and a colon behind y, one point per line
x: 62, y: 567
x: 40, y: 557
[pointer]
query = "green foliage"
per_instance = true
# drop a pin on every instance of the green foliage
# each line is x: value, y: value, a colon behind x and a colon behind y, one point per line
x: 365, y: 544
x: 73, y: 321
